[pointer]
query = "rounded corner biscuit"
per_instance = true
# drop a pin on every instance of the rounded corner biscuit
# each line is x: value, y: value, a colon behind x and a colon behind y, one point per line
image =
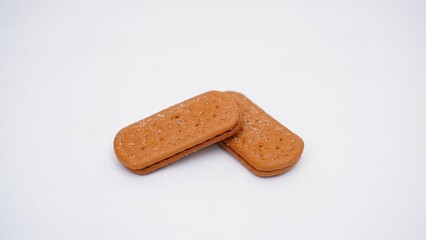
x: 177, y: 131
x: 263, y: 145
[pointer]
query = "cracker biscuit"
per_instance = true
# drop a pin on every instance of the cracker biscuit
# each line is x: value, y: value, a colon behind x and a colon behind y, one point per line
x: 175, y: 132
x: 263, y: 145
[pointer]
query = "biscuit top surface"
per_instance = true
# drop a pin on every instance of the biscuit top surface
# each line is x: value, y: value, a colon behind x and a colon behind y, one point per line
x: 176, y: 129
x: 262, y: 141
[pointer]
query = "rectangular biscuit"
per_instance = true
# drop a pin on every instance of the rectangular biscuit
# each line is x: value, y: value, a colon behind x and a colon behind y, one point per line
x: 175, y: 132
x: 263, y: 145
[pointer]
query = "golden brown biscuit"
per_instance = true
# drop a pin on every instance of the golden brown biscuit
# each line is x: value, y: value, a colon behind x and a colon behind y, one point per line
x: 175, y: 132
x: 263, y: 145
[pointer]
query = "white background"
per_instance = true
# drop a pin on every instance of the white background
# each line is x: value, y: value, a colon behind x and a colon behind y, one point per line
x: 348, y: 76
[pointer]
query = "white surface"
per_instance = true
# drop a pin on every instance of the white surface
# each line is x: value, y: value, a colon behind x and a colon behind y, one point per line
x: 349, y: 78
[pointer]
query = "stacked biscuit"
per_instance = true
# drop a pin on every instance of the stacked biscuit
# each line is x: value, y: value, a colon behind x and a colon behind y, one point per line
x: 257, y: 140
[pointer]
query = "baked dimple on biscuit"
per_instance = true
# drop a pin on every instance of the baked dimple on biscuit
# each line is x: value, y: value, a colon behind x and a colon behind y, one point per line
x: 264, y: 143
x: 162, y: 136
